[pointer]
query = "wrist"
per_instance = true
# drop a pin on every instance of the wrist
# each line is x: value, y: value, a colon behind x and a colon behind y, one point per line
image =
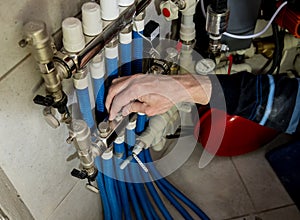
x: 198, y: 87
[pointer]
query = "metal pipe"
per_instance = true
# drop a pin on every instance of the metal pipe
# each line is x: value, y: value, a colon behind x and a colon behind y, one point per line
x: 110, y: 31
x: 69, y: 64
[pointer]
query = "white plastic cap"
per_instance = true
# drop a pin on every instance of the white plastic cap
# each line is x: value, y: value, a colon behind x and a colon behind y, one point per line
x: 125, y: 3
x: 97, y: 68
x: 131, y: 125
x: 108, y: 154
x: 120, y: 139
x: 109, y: 9
x: 81, y: 83
x: 111, y: 52
x: 73, y: 38
x: 139, y: 25
x: 91, y: 19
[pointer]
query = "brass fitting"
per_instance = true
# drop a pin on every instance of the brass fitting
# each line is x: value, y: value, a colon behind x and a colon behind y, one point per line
x: 265, y: 47
x: 140, y: 17
x: 80, y: 136
x: 43, y: 51
x: 113, y: 43
x: 36, y: 35
x: 127, y: 29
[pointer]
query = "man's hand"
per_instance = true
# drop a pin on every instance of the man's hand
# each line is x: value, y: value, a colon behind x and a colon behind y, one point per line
x: 155, y: 94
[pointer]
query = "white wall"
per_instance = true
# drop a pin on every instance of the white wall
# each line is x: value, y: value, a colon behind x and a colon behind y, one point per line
x: 32, y: 155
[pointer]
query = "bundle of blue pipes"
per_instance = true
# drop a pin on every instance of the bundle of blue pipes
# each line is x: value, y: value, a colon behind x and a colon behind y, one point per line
x: 129, y: 193
x: 128, y: 196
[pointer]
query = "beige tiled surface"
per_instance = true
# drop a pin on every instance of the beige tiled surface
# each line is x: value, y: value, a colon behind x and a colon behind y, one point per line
x: 34, y: 161
x: 264, y: 187
x: 283, y: 213
x: 231, y: 187
x: 216, y: 188
x: 86, y: 205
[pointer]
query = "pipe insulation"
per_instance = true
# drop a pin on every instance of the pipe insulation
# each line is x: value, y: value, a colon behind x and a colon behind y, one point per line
x: 120, y: 155
x: 110, y: 186
x: 97, y: 70
x: 111, y: 61
x: 138, y: 44
x: 102, y: 191
x: 163, y: 183
x: 80, y: 80
x: 125, y: 39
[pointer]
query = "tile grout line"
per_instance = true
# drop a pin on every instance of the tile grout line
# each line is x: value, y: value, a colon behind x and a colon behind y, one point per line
x: 64, y: 198
x: 261, y: 212
x: 15, y: 67
x: 244, y: 184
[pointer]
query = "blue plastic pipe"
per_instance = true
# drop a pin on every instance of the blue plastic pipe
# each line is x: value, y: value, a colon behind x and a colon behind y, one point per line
x: 120, y: 149
x: 125, y: 59
x: 138, y: 47
x: 108, y: 168
x: 140, y: 127
x: 112, y: 68
x: 156, y: 198
x: 101, y: 187
x: 133, y: 197
x: 134, y: 172
x: 165, y: 184
x: 165, y: 192
x: 140, y: 123
x: 99, y: 92
x: 85, y: 106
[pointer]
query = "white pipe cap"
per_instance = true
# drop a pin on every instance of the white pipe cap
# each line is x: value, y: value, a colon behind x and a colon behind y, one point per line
x: 73, y: 38
x: 109, y: 9
x: 91, y: 19
x: 124, y: 3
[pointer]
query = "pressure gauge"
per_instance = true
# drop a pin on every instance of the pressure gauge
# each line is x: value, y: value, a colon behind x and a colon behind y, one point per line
x: 205, y: 66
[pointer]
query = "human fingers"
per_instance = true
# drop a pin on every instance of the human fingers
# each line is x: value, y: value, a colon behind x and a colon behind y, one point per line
x: 117, y: 86
x: 135, y: 106
x: 122, y: 99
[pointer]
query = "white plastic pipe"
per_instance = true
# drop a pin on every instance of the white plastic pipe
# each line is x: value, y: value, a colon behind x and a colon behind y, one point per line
x: 234, y: 69
x: 187, y: 28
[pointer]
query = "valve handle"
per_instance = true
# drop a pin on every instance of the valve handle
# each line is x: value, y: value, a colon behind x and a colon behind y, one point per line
x: 79, y: 174
x: 45, y: 101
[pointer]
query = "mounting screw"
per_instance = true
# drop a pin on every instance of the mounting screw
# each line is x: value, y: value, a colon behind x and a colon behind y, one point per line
x: 104, y: 129
x: 23, y: 43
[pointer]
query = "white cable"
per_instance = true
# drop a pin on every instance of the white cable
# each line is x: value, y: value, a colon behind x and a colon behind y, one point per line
x: 261, y: 32
x: 203, y: 9
x: 145, y: 38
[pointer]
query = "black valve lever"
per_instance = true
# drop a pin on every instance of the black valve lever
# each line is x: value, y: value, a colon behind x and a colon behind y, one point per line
x: 82, y: 174
x: 79, y: 174
x: 45, y: 101
x: 48, y: 101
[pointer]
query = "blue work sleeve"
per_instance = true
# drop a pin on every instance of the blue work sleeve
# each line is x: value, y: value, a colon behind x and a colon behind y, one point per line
x: 272, y: 101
